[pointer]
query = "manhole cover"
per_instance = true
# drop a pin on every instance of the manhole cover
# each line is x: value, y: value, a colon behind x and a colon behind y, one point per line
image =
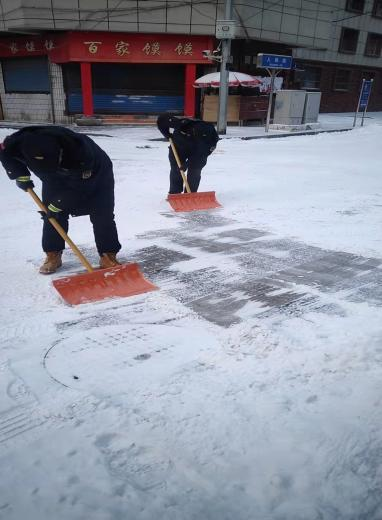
x: 117, y: 359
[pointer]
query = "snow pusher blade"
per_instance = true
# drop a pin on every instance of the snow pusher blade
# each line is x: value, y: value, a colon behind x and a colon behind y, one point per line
x: 114, y: 282
x: 193, y: 201
x: 119, y: 281
x: 190, y: 201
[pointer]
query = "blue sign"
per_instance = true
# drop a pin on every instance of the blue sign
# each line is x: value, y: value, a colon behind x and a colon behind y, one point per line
x: 274, y: 61
x: 365, y: 94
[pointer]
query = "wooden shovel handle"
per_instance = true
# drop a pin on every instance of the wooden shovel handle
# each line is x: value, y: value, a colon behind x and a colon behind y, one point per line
x: 179, y: 165
x: 61, y: 232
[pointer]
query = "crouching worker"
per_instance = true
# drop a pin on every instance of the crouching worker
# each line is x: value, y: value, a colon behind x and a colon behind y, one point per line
x: 77, y: 179
x: 194, y: 141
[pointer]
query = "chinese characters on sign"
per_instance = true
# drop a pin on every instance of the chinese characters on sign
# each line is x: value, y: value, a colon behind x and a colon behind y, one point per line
x: 30, y: 47
x: 93, y: 46
x: 122, y: 48
x: 184, y: 49
x: 104, y: 47
x: 49, y: 45
x: 152, y: 49
x: 274, y: 61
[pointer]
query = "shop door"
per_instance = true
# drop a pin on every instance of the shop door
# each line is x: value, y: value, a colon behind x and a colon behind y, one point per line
x: 130, y: 88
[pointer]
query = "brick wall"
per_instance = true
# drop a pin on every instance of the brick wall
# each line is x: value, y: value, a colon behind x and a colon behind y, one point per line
x: 244, y: 59
x: 336, y: 101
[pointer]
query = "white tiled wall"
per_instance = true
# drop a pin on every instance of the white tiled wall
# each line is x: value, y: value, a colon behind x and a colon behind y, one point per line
x: 59, y: 96
x: 26, y: 107
x: 36, y: 108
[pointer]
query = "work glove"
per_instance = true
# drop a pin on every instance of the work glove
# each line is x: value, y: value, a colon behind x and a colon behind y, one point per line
x: 24, y: 182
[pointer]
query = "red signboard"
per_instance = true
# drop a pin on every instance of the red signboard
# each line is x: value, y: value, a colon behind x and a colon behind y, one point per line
x: 130, y: 48
x: 110, y: 47
x: 25, y: 46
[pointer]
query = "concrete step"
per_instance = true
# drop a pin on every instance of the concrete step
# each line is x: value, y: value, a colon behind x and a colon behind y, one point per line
x: 122, y: 119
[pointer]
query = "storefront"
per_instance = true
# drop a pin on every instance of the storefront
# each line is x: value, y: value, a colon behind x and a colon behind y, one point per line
x: 25, y: 79
x: 102, y: 73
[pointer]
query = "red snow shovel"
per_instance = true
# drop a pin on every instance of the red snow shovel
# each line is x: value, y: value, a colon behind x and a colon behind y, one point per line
x: 190, y: 201
x: 120, y: 281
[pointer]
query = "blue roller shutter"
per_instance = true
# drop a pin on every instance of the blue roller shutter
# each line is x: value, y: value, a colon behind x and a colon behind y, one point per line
x: 128, y: 88
x: 124, y: 104
x: 26, y: 75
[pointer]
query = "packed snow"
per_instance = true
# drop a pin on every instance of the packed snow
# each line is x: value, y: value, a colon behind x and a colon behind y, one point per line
x: 248, y: 386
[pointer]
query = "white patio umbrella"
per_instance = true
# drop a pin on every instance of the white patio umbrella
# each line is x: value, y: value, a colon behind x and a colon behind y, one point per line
x: 234, y: 80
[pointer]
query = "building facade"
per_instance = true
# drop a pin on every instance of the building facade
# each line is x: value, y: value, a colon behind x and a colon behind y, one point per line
x: 65, y: 58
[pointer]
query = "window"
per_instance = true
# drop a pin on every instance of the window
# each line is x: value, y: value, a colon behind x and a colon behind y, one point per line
x: 309, y: 78
x: 368, y: 74
x: 355, y: 6
x: 377, y: 8
x: 342, y: 80
x: 26, y: 75
x: 348, y: 41
x: 373, y: 45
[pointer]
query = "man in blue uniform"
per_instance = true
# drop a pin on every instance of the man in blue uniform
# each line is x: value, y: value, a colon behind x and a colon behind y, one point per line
x: 194, y: 141
x: 77, y: 179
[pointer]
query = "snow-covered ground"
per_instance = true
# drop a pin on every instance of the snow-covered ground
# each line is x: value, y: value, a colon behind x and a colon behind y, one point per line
x: 249, y: 386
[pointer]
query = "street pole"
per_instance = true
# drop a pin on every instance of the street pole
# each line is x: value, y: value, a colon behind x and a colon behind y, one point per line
x: 272, y: 87
x: 224, y: 74
x: 359, y: 102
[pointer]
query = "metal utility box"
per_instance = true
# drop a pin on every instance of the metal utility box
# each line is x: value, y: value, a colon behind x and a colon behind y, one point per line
x: 226, y: 29
x: 312, y: 107
x: 289, y: 107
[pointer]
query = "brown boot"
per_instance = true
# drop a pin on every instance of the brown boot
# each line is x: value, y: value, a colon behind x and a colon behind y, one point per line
x: 52, y: 262
x: 108, y: 260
